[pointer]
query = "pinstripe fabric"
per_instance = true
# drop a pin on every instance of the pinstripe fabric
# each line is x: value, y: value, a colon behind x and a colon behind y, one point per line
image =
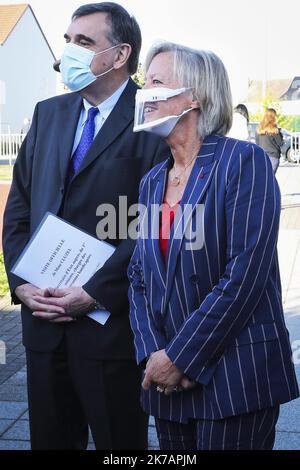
x: 253, y: 431
x: 216, y: 310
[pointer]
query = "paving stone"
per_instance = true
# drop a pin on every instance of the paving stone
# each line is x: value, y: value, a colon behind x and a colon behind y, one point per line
x: 14, y: 445
x: 10, y: 328
x: 7, y: 373
x: 90, y: 436
x: 289, y: 419
x: 15, y: 366
x: 25, y: 416
x: 18, y: 349
x: 10, y: 347
x: 13, y: 393
x: 287, y: 441
x: 20, y: 361
x: 19, y: 431
x: 18, y: 379
x: 11, y: 357
x: 14, y: 341
x: 12, y: 410
x: 152, y: 437
x: 9, y: 368
x: 5, y: 424
x: 151, y: 421
x: 6, y: 337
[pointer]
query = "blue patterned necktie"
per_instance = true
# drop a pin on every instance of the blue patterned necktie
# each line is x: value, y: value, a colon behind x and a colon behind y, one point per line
x: 86, y: 141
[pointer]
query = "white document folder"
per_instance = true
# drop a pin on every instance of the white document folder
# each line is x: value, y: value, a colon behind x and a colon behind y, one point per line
x: 60, y: 255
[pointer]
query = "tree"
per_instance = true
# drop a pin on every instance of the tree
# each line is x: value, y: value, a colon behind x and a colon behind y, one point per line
x: 291, y: 123
x: 139, y: 76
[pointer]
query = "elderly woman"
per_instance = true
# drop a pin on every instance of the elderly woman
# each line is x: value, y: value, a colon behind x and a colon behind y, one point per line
x: 205, y: 292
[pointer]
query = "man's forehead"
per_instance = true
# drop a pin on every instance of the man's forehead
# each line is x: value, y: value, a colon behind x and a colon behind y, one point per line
x: 93, y: 25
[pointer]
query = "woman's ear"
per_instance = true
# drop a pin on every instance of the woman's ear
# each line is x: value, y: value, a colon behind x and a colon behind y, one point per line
x: 123, y: 55
x: 195, y: 103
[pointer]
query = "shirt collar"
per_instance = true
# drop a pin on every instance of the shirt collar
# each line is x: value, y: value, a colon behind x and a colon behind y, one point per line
x: 108, y: 105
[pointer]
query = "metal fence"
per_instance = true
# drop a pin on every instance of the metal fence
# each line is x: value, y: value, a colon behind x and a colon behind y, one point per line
x: 9, y: 147
x: 295, y: 148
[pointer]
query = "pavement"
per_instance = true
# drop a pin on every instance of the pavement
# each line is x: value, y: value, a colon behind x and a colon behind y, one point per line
x: 14, y: 429
x: 4, y: 190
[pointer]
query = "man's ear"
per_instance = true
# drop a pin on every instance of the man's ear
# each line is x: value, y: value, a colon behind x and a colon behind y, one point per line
x: 122, y: 56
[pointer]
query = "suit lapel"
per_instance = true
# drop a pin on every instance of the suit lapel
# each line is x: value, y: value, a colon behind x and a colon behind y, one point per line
x: 118, y: 120
x: 194, y: 195
x: 151, y: 240
x: 67, y: 120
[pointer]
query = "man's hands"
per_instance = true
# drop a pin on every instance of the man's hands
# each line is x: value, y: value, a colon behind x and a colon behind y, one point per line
x: 55, y: 305
x: 31, y: 296
x: 161, y: 371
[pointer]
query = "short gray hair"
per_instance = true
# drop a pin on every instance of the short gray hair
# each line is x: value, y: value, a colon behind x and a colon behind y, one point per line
x: 206, y: 74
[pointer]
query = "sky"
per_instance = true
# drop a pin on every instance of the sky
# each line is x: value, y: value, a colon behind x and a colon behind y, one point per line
x: 256, y: 39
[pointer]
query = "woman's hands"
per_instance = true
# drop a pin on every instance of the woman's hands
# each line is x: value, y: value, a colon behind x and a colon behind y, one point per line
x: 161, y: 371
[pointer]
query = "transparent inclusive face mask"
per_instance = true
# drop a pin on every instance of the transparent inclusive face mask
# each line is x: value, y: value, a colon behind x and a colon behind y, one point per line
x: 149, y: 118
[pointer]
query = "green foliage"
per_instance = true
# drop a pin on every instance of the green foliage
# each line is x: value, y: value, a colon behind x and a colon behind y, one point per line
x: 139, y: 76
x: 291, y: 123
x: 3, y: 279
x: 6, y: 173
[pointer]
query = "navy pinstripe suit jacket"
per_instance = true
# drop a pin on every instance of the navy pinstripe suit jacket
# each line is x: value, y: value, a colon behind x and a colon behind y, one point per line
x: 217, y: 310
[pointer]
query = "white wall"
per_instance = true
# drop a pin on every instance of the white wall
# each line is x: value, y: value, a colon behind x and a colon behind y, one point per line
x: 290, y: 108
x: 26, y: 69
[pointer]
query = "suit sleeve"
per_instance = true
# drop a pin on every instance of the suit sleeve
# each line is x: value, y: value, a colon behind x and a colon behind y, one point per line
x: 252, y: 213
x: 16, y: 221
x: 109, y: 285
x: 147, y: 338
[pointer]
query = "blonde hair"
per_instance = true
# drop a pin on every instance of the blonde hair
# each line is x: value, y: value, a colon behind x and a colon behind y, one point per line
x: 268, y: 124
x: 205, y: 73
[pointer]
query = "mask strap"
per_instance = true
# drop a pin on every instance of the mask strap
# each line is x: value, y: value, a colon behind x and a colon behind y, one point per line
x: 106, y: 50
x: 104, y: 73
x: 101, y: 52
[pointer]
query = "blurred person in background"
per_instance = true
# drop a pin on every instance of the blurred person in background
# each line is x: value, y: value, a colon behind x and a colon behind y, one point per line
x: 269, y: 137
x: 26, y: 126
x: 240, y: 121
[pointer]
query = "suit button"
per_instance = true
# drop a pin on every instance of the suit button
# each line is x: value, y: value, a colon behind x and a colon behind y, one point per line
x: 195, y: 278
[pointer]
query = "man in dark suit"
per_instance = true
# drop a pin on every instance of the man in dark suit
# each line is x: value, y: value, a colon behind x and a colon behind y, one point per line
x: 80, y: 153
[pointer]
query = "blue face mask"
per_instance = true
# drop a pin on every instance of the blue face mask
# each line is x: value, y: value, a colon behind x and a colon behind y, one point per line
x: 75, y: 66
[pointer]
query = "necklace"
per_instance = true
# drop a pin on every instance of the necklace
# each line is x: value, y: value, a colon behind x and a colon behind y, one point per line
x: 177, y: 178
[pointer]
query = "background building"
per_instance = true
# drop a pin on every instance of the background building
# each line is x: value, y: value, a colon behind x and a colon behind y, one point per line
x: 284, y: 92
x: 26, y: 73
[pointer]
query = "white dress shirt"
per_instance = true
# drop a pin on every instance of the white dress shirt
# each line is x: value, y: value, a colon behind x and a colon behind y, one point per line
x: 105, y: 109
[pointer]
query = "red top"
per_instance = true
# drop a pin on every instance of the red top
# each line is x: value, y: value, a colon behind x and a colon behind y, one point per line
x: 167, y: 218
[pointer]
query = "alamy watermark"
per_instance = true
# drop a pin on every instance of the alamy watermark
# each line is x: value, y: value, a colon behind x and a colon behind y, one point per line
x: 2, y: 353
x: 296, y: 352
x: 144, y: 222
